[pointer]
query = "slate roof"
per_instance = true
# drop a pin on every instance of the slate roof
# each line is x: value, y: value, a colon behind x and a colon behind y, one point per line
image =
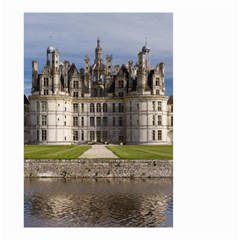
x: 26, y: 100
x: 170, y: 100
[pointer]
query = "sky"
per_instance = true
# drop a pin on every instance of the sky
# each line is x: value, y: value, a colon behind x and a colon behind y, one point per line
x: 75, y: 35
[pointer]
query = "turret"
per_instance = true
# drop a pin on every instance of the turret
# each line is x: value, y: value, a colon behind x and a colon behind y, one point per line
x: 98, y: 53
x: 109, y: 65
x: 87, y: 73
x: 141, y: 73
x: 65, y: 75
x: 34, y: 75
x: 56, y: 72
x: 130, y: 79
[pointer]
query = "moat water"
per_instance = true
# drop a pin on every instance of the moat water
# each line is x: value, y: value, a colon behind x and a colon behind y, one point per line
x: 98, y: 202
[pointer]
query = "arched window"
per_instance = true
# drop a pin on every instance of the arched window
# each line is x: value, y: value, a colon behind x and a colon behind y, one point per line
x: 101, y: 92
x: 91, y: 107
x: 98, y: 107
x: 105, y: 107
x: 102, y: 78
x: 95, y: 92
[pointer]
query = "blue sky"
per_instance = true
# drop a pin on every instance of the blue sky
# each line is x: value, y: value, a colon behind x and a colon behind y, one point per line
x: 121, y: 34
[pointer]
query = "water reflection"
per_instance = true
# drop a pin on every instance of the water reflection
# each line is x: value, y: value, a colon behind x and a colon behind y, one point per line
x: 98, y: 203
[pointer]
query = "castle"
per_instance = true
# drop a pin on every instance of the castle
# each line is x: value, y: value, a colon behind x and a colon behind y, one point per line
x: 98, y: 103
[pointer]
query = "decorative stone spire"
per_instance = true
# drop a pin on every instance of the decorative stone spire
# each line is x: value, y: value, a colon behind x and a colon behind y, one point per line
x: 98, y: 52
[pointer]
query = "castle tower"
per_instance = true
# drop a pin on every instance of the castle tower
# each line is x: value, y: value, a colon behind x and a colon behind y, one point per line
x: 34, y: 75
x: 98, y: 67
x: 144, y: 67
x: 141, y: 73
x: 162, y: 78
x: 130, y: 79
x: 87, y: 73
x: 108, y: 70
x: 146, y: 50
x: 56, y: 71
x: 109, y: 65
x: 98, y: 53
x: 66, y: 67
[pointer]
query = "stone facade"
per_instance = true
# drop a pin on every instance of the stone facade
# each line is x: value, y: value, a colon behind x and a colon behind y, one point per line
x: 99, y: 103
x: 98, y: 168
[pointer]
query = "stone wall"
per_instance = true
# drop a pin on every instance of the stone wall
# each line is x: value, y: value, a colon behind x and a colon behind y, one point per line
x: 98, y: 168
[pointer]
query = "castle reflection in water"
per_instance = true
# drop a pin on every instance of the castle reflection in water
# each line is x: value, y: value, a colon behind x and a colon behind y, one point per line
x: 98, y: 202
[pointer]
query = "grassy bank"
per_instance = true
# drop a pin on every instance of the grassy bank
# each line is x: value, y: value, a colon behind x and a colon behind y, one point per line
x: 53, y: 151
x: 164, y: 152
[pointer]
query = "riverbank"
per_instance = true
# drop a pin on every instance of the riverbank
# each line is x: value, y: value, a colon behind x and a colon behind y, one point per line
x: 91, y: 168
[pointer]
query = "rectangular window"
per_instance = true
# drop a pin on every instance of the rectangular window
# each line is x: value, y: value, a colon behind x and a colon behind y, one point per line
x: 120, y: 136
x: 153, y: 135
x: 172, y: 121
x: 82, y: 123
x: 82, y: 135
x: 45, y: 92
x: 75, y: 135
x: 75, y: 94
x: 75, y: 121
x: 120, y: 83
x: 157, y: 82
x: 159, y: 106
x: 159, y: 134
x: 37, y: 135
x: 45, y: 82
x: 159, y: 120
x: 92, y: 136
x: 65, y: 109
x: 105, y: 121
x: 44, y: 120
x: 44, y: 135
x: 157, y: 92
x: 38, y: 106
x: 98, y: 121
x: 44, y: 106
x: 171, y: 108
x: 104, y: 135
x: 153, y: 105
x: 65, y: 123
x: 113, y: 107
x: 130, y: 108
x: 153, y: 120
x: 92, y: 124
x: 75, y: 84
x: 120, y: 121
x: 114, y: 121
x: 37, y: 120
x: 75, y: 107
x: 120, y: 107
x: 82, y: 107
x: 120, y: 94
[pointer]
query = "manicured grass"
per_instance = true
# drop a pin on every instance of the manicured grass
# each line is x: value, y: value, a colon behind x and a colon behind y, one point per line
x: 164, y: 152
x: 53, y: 151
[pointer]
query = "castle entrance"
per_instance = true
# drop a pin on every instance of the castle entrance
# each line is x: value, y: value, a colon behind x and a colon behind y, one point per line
x: 98, y: 137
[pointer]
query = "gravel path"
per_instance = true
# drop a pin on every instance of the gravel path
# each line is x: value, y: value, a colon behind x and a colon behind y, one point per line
x: 98, y: 151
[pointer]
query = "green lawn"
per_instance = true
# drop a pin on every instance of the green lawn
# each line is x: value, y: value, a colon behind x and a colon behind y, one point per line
x: 143, y: 151
x: 53, y: 151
